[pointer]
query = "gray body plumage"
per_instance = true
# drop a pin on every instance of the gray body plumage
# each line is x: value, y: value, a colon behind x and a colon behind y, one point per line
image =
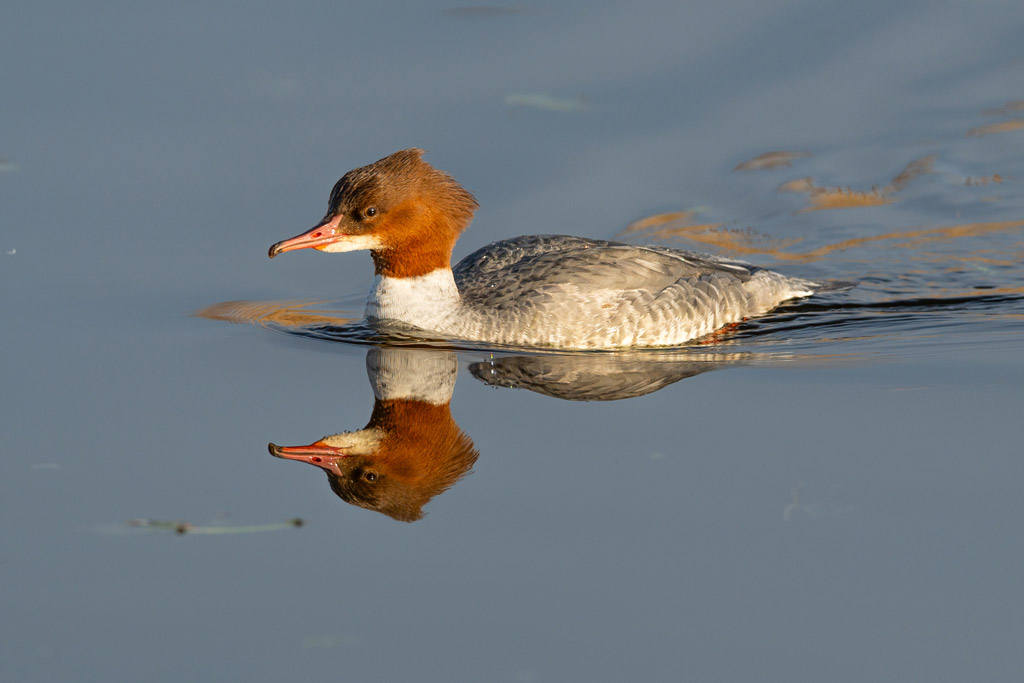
x: 572, y: 292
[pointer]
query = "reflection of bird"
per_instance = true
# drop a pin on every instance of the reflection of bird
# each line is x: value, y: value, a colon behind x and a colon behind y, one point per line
x: 541, y: 290
x: 595, y: 377
x: 410, y: 451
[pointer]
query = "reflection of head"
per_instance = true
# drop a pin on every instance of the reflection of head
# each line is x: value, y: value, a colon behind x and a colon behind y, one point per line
x: 410, y: 451
x: 416, y: 452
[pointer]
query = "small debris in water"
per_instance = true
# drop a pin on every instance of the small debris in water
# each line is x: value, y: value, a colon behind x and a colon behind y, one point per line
x: 483, y: 12
x: 769, y: 160
x: 973, y: 180
x: 548, y: 102
x: 183, y: 527
x: 333, y: 640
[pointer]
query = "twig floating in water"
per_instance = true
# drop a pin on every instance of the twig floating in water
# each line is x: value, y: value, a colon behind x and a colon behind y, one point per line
x: 182, y: 527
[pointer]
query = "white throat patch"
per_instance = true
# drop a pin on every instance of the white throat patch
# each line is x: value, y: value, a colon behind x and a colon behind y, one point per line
x: 428, y: 302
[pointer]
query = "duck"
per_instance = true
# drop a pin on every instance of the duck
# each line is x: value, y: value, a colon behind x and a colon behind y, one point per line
x: 549, y: 290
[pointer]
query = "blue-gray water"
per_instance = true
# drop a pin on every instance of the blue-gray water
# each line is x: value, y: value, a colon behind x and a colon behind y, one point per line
x: 837, y: 498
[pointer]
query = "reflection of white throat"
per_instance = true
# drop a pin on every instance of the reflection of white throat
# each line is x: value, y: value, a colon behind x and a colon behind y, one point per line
x: 414, y: 374
x: 428, y: 302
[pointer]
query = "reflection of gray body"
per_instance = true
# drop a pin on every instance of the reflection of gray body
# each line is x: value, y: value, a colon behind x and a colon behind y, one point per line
x: 593, y: 377
x: 545, y: 289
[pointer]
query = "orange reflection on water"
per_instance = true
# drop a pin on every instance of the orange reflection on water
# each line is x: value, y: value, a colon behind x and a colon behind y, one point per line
x: 677, y: 225
x: 1010, y: 108
x: 1000, y: 127
x: 844, y: 197
x: 284, y: 313
x: 750, y: 242
x: 836, y: 197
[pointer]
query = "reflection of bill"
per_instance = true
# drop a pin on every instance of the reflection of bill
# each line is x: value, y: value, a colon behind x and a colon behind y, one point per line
x: 411, y: 449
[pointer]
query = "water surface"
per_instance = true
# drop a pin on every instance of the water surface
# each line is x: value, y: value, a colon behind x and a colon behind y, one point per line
x: 829, y: 492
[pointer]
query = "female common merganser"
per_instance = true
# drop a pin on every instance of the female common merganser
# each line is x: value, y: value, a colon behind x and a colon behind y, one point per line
x: 537, y: 290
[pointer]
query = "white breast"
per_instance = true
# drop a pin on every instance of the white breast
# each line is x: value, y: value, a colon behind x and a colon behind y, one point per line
x: 426, y: 301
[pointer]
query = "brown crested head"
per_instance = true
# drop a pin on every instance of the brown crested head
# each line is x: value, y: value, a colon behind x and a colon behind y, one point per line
x: 405, y: 211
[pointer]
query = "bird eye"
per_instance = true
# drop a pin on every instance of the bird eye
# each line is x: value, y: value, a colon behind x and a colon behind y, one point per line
x: 370, y: 476
x: 370, y: 212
